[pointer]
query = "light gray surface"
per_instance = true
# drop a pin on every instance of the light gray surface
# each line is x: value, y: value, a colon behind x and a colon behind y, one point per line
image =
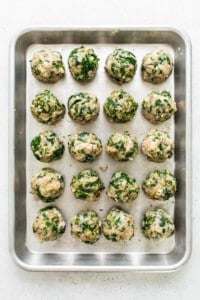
x: 18, y: 284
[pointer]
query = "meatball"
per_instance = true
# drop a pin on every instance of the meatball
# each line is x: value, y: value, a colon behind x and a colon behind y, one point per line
x: 47, y: 66
x: 84, y: 146
x: 121, y: 146
x: 120, y: 107
x: 83, y: 63
x: 86, y: 226
x: 47, y: 146
x: 87, y: 185
x: 121, y: 65
x: 157, y: 66
x: 46, y: 108
x: 157, y: 224
x: 118, y: 225
x: 160, y: 185
x: 47, y: 184
x: 83, y: 107
x: 158, y: 106
x: 49, y: 225
x: 122, y: 188
x: 157, y: 146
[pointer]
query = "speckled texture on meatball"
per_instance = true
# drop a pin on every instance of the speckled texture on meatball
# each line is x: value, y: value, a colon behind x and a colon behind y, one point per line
x: 84, y: 146
x: 47, y: 66
x: 86, y: 226
x: 49, y: 224
x: 120, y: 106
x: 159, y: 185
x: 46, y: 108
x: 122, y: 188
x: 157, y: 146
x: 47, y: 146
x: 87, y: 185
x: 157, y: 66
x: 122, y: 146
x: 158, y: 106
x: 118, y: 226
x: 83, y: 107
x: 83, y: 63
x: 47, y: 184
x: 121, y: 65
x: 157, y: 224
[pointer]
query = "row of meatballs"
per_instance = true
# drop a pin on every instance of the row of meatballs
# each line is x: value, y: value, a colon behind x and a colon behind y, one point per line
x: 119, y: 107
x: 87, y: 185
x: 86, y: 226
x: 83, y: 146
x: 47, y: 65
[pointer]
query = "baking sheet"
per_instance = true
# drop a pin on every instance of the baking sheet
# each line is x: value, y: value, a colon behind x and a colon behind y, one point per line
x: 101, y: 86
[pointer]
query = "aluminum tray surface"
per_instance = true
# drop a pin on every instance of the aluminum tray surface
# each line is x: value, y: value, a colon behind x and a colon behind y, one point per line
x: 67, y: 254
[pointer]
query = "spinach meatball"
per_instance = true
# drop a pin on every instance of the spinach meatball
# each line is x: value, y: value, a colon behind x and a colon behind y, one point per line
x: 121, y: 65
x: 49, y: 224
x: 84, y: 146
x: 121, y: 146
x: 157, y: 224
x: 157, y: 146
x: 122, y: 188
x: 46, y: 108
x: 47, y: 66
x: 87, y: 185
x: 83, y: 63
x: 120, y: 106
x: 47, y: 184
x: 83, y: 107
x: 159, y: 185
x: 86, y: 226
x: 47, y: 146
x: 157, y: 66
x: 118, y: 226
x: 158, y: 106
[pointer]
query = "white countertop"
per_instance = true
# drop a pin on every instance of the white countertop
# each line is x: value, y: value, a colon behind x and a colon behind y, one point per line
x: 19, y: 284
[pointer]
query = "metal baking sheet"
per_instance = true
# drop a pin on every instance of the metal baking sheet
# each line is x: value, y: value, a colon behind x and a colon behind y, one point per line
x: 67, y: 254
